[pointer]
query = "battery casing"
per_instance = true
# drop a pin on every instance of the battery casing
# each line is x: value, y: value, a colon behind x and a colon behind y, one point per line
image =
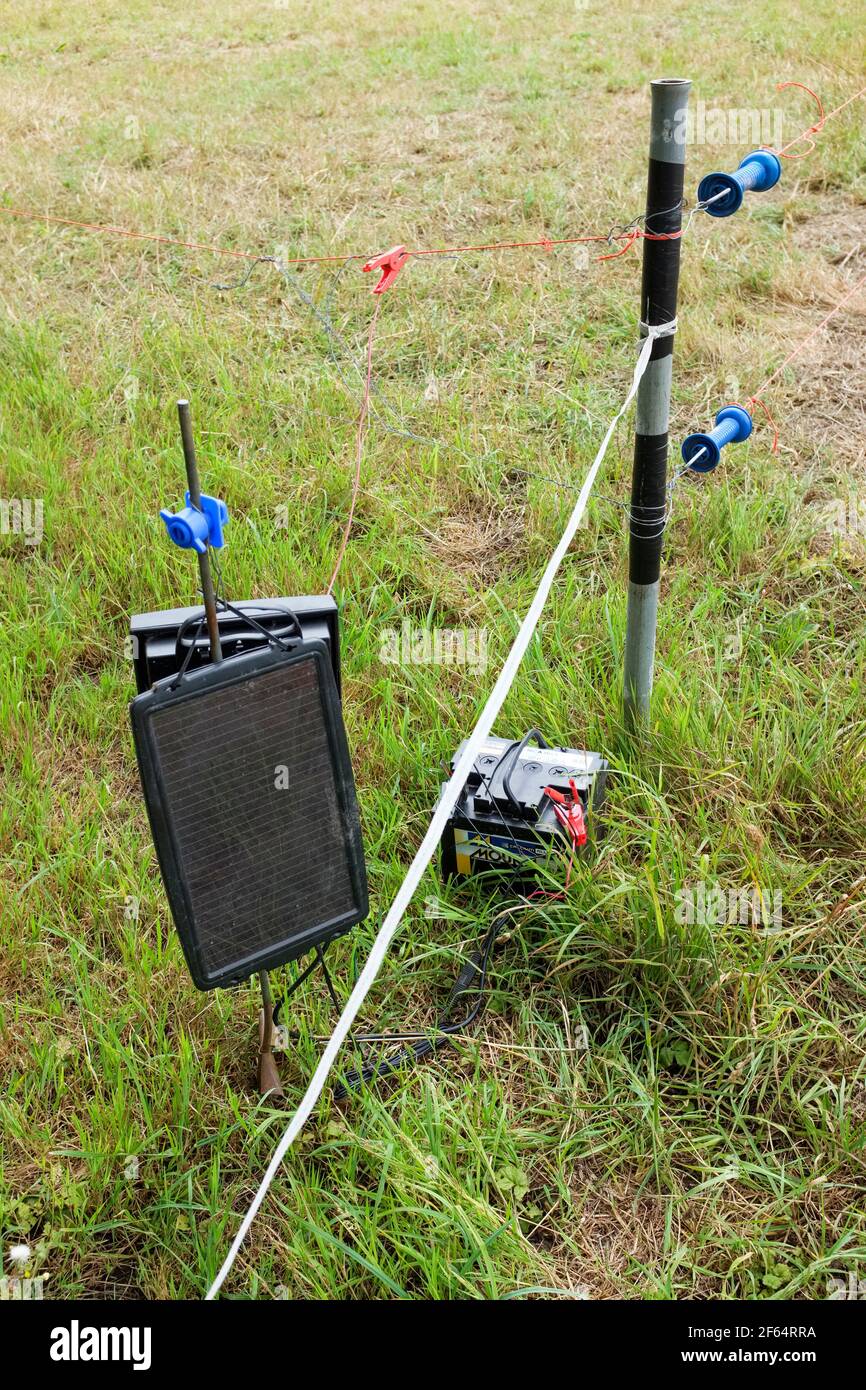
x: 488, y: 831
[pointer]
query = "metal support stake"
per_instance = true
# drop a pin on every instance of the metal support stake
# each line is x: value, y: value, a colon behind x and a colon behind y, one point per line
x: 194, y: 486
x: 649, y: 492
x: 269, y: 1077
x: 269, y: 1081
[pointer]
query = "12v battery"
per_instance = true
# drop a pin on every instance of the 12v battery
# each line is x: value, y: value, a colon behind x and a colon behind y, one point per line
x: 506, y: 816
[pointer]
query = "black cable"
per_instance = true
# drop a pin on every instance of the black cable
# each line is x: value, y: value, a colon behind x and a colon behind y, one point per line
x: 192, y: 646
x: 320, y: 958
x: 423, y: 1044
x: 488, y: 783
x: 506, y: 776
x: 519, y: 745
x: 296, y: 984
x: 276, y: 638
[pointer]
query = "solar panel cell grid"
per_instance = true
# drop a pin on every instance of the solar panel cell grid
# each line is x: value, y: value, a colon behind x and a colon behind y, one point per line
x: 259, y: 830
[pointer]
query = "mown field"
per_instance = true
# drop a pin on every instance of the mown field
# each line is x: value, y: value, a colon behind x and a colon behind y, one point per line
x: 650, y: 1108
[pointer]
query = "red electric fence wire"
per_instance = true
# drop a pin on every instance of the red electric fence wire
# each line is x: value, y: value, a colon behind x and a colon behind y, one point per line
x: 628, y: 235
x: 166, y: 240
x: 822, y: 120
x: 359, y: 450
x: 795, y: 352
x: 546, y: 243
x: 756, y: 400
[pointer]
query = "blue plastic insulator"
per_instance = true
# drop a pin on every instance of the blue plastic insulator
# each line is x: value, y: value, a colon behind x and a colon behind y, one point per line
x: 759, y: 171
x: 194, y: 528
x: 733, y: 424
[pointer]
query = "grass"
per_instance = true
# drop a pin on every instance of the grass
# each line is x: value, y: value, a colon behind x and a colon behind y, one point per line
x: 709, y: 1140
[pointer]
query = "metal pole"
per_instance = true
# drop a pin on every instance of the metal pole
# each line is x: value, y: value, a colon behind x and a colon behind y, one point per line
x: 649, y: 494
x: 192, y: 480
x: 269, y: 1080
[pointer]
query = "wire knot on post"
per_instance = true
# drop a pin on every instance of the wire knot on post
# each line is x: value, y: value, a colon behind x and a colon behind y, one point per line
x: 659, y: 330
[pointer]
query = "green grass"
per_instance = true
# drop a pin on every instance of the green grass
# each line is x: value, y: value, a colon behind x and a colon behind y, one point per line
x: 709, y: 1140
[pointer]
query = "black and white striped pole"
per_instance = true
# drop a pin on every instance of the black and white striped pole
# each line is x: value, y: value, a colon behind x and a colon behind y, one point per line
x: 649, y: 487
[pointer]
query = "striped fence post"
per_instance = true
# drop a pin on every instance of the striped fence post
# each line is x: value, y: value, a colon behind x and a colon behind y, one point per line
x: 649, y: 491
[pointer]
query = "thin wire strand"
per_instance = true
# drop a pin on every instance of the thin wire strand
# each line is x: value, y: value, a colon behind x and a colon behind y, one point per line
x: 823, y: 118
x: 809, y: 336
x: 631, y: 232
x: 359, y: 449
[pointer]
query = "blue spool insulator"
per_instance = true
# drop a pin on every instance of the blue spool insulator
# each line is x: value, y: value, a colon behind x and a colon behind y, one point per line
x: 758, y: 171
x: 194, y: 528
x: 733, y: 424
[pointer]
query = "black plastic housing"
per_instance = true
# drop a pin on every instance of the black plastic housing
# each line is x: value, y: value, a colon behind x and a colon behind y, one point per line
x: 154, y: 635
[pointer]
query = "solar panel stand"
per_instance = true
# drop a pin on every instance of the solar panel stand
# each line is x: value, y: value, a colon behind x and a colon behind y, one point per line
x: 268, y: 1077
x: 192, y: 479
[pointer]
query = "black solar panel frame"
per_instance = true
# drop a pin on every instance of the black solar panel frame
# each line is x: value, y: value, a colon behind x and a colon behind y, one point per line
x: 198, y: 685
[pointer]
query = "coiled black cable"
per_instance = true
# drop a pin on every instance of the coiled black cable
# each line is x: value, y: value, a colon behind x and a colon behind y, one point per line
x: 423, y: 1044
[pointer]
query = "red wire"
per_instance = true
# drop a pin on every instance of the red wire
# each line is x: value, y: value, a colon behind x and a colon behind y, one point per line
x: 165, y: 240
x: 362, y: 420
x: 809, y: 336
x: 810, y: 130
x: 630, y: 237
x: 546, y: 242
x: 823, y: 118
x: 567, y: 825
x: 756, y: 400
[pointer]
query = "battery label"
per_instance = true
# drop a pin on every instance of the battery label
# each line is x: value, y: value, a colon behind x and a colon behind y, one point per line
x: 493, y: 850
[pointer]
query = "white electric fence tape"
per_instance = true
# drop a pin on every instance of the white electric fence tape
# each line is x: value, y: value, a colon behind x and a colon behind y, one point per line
x: 448, y: 800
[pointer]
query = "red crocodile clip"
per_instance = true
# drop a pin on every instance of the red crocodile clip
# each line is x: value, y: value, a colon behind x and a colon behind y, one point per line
x: 390, y: 263
x: 575, y: 814
x: 569, y: 813
x: 555, y: 795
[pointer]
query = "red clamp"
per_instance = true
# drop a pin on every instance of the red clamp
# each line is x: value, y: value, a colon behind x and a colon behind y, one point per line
x: 390, y: 263
x: 576, y: 816
x: 569, y: 813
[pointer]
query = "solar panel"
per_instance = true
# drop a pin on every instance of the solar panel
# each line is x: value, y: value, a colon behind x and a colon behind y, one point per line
x: 249, y: 790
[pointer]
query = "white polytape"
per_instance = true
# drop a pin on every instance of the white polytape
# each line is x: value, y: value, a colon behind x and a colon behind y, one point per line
x: 660, y: 330
x: 447, y: 802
